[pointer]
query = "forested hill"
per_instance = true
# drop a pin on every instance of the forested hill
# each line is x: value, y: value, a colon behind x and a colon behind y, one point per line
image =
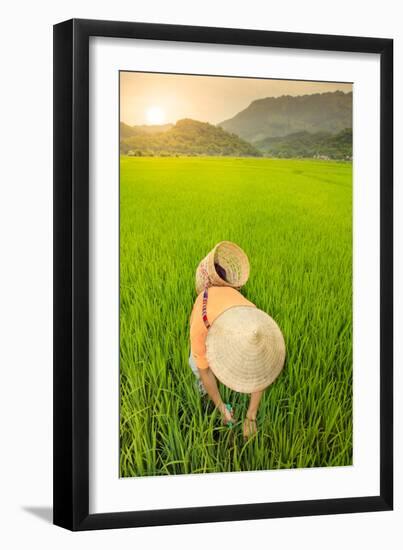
x: 280, y: 116
x: 304, y: 144
x: 186, y: 137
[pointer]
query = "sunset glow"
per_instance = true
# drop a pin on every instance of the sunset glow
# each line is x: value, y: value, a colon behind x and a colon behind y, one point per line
x: 148, y: 98
x: 155, y: 115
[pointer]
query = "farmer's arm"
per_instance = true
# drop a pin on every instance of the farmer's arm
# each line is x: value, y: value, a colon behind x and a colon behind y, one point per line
x: 207, y: 377
x: 210, y: 383
x: 198, y: 345
x: 198, y: 349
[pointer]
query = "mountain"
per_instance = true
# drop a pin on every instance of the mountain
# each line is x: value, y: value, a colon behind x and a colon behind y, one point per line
x: 305, y: 144
x: 129, y: 131
x: 280, y: 116
x: 186, y: 137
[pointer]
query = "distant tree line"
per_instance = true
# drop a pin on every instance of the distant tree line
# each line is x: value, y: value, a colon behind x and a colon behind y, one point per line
x: 309, y: 145
x: 193, y: 138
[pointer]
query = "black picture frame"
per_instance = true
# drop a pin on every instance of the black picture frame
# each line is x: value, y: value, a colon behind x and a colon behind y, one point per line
x: 71, y: 274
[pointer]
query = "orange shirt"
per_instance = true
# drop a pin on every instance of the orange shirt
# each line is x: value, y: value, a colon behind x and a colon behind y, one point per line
x: 220, y: 298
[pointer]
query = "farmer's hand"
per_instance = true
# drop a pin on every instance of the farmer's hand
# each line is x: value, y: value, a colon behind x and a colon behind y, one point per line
x: 227, y: 416
x: 249, y: 427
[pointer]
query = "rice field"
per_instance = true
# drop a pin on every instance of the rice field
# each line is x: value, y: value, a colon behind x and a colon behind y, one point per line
x: 294, y: 220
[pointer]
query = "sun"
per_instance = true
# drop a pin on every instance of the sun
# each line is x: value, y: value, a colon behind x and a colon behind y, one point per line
x: 155, y: 115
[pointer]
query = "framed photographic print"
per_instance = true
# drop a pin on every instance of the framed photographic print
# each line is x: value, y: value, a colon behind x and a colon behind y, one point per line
x: 223, y: 321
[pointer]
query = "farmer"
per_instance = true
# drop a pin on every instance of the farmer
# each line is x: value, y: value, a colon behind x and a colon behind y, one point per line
x: 231, y: 339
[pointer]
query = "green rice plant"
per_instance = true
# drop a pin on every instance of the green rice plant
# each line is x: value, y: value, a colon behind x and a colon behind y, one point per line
x: 294, y: 220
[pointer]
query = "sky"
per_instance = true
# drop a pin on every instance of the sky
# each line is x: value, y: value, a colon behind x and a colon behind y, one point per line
x: 151, y: 98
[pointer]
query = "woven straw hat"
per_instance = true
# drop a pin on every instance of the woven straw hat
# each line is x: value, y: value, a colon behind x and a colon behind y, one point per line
x: 245, y: 349
x: 231, y: 258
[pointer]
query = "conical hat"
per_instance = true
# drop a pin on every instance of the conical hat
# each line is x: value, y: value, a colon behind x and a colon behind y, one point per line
x: 245, y: 349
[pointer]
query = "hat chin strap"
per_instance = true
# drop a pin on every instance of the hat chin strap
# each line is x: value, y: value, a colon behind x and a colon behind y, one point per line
x: 206, y: 276
x: 204, y: 308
